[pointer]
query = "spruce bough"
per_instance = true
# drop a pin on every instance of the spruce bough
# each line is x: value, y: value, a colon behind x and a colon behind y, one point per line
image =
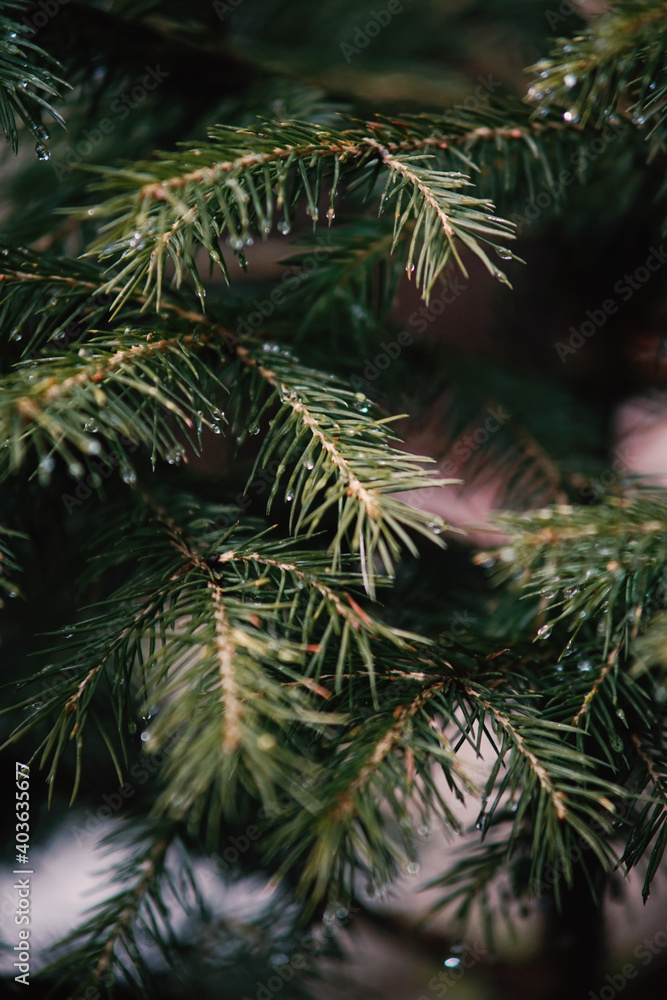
x: 243, y: 612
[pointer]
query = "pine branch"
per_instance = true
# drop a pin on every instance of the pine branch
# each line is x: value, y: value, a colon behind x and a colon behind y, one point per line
x: 102, y: 651
x: 23, y: 81
x: 474, y: 879
x: 342, y: 448
x: 649, y: 824
x: 383, y: 760
x: 115, y: 937
x: 237, y: 183
x: 607, y: 669
x: 350, y: 293
x: 345, y: 801
x: 443, y: 218
x: 48, y: 301
x: 555, y: 792
x: 557, y: 782
x: 507, y: 154
x: 618, y: 60
x: 114, y: 385
x: 343, y: 459
x: 589, y: 563
x: 156, y: 915
x: 193, y: 599
x: 542, y: 797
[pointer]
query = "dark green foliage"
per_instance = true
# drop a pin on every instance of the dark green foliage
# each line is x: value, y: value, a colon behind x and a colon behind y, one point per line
x: 26, y: 81
x: 246, y: 603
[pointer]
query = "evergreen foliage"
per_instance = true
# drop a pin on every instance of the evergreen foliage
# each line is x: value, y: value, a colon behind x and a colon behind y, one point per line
x: 258, y: 626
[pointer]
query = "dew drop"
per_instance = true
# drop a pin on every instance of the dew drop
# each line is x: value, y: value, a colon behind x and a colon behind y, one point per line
x: 544, y: 632
x: 127, y: 473
x: 175, y: 455
x: 41, y: 152
x: 570, y: 116
x: 452, y: 962
x: 47, y: 464
x: 76, y: 470
x: 289, y: 496
x: 136, y: 240
x: 93, y: 447
x: 569, y: 80
x: 412, y: 868
x: 41, y: 133
x: 284, y: 227
x: 145, y: 736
